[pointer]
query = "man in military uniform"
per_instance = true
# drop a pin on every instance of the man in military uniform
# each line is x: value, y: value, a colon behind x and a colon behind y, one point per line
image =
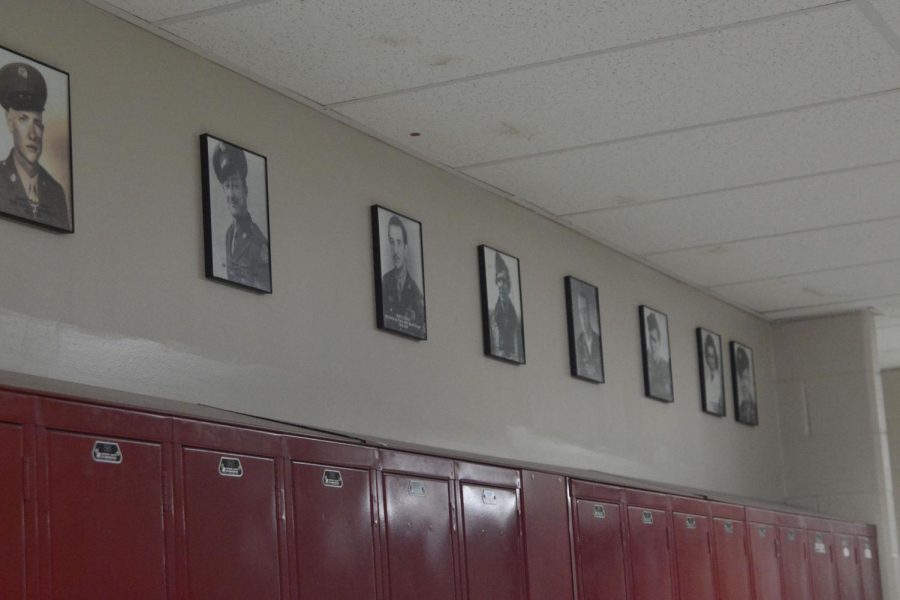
x: 402, y: 302
x: 660, y: 370
x: 246, y: 248
x: 587, y: 347
x: 27, y: 190
x: 506, y: 339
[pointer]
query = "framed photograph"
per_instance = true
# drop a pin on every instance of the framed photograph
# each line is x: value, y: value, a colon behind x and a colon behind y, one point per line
x: 743, y: 383
x: 712, y: 378
x: 236, y: 215
x: 657, y: 357
x: 36, y: 143
x: 583, y: 321
x: 501, y: 305
x: 399, y: 273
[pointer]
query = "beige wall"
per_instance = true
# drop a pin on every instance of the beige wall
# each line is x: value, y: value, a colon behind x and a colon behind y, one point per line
x: 834, y: 434
x: 123, y: 303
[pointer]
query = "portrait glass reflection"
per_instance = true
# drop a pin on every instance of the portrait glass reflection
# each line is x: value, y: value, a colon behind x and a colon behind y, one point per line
x: 35, y: 143
x: 236, y: 215
x: 399, y: 273
x: 712, y: 381
x: 583, y: 320
x: 657, y: 358
x: 501, y: 305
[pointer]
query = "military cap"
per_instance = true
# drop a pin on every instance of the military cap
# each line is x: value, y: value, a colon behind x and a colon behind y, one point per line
x: 228, y: 160
x: 22, y: 87
x: 500, y: 266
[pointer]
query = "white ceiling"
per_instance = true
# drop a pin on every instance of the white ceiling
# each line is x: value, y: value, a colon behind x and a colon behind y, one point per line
x: 748, y: 147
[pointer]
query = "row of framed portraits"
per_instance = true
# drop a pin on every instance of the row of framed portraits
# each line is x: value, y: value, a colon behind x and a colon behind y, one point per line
x: 36, y: 187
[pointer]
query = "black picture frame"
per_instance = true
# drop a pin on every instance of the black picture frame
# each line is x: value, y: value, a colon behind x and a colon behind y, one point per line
x: 657, y: 357
x: 399, y: 267
x: 712, y: 371
x: 503, y: 332
x: 743, y: 384
x: 36, y: 99
x: 237, y: 243
x: 585, y: 341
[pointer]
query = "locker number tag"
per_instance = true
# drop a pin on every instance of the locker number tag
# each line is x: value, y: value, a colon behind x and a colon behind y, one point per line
x: 762, y: 532
x: 690, y: 523
x: 728, y: 526
x: 230, y: 467
x: 107, y: 452
x: 819, y: 546
x: 416, y: 488
x: 489, y: 497
x: 599, y: 511
x: 846, y: 552
x: 332, y: 479
x: 647, y: 517
x: 867, y: 553
x: 792, y: 535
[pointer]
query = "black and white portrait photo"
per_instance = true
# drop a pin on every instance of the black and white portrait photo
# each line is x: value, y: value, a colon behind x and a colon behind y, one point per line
x: 501, y: 305
x: 657, y: 358
x: 744, y: 384
x: 712, y: 380
x: 583, y: 320
x: 236, y: 215
x: 399, y: 273
x: 35, y: 144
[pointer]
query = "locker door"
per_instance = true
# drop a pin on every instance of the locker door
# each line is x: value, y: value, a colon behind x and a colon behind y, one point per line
x: 693, y: 555
x: 763, y: 539
x: 546, y: 519
x: 649, y: 553
x: 732, y: 561
x: 106, y: 508
x: 599, y: 550
x: 871, y: 572
x: 848, y: 571
x: 231, y: 525
x: 419, y: 534
x: 491, y: 538
x: 794, y: 563
x: 821, y: 565
x: 12, y: 512
x: 333, y: 524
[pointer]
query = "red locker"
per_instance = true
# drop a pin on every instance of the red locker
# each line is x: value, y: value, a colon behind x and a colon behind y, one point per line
x: 545, y: 515
x: 847, y: 567
x: 13, y: 520
x: 732, y: 558
x: 419, y: 516
x: 105, y: 503
x: 599, y: 545
x: 228, y: 487
x: 762, y: 535
x: 821, y: 559
x: 870, y: 570
x: 334, y: 520
x: 794, y: 557
x: 649, y: 546
x: 693, y: 549
x: 492, y: 549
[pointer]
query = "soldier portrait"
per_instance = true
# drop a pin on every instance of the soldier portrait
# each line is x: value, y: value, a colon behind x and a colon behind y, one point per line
x: 236, y: 215
x: 35, y: 143
x: 583, y: 320
x: 501, y: 305
x: 712, y: 369
x: 399, y: 273
x: 656, y: 354
x: 743, y: 384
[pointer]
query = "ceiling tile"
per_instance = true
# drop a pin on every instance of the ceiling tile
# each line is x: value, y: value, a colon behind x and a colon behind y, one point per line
x: 769, y: 209
x: 774, y: 65
x: 788, y: 254
x: 154, y: 10
x: 332, y: 51
x: 812, y: 289
x: 889, y: 10
x: 718, y: 157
